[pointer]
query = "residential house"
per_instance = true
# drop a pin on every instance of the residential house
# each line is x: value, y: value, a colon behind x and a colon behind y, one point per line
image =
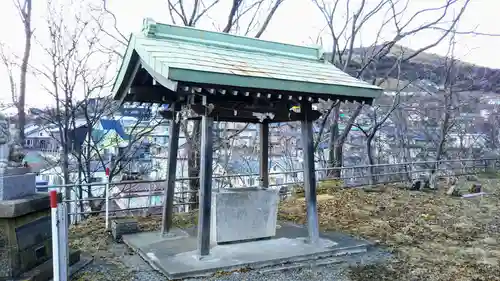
x: 43, y: 139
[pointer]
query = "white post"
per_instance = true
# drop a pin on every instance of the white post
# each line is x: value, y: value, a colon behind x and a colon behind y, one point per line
x: 63, y: 241
x: 55, y: 236
x: 106, y: 196
x: 148, y: 204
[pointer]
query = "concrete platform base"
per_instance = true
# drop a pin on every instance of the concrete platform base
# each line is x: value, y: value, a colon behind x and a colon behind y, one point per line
x: 176, y: 255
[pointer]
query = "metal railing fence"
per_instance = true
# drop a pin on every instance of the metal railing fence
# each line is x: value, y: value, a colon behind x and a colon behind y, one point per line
x: 145, y: 196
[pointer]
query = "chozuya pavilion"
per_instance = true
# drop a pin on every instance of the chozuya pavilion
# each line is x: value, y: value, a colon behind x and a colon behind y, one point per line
x: 225, y: 77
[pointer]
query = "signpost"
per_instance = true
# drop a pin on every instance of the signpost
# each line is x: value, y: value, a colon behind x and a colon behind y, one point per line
x: 60, y: 248
x: 55, y: 235
x: 106, y: 191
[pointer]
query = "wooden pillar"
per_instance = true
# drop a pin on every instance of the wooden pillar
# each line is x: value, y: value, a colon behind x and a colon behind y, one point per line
x: 264, y: 154
x: 173, y: 147
x: 205, y: 192
x: 309, y: 173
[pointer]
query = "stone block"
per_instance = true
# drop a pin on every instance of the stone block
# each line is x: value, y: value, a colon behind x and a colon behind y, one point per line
x: 243, y: 214
x: 453, y: 191
x: 16, y: 183
x: 29, y: 204
x: 44, y: 272
x: 25, y: 242
x: 471, y: 178
x: 120, y: 227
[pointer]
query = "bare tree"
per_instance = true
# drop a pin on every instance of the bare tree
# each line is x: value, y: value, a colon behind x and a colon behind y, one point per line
x: 10, y: 65
x: 18, y: 91
x: 76, y: 69
x: 248, y: 17
x: 122, y: 162
x: 377, y: 123
x: 447, y: 88
x: 492, y: 128
x: 367, y: 65
x: 25, y: 12
x: 400, y: 118
x: 241, y: 11
x: 69, y: 52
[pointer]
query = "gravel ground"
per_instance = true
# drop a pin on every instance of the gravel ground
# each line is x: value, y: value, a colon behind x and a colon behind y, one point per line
x: 121, y: 264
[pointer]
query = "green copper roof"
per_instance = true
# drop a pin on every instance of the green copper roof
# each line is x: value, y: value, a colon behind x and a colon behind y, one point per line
x: 174, y: 54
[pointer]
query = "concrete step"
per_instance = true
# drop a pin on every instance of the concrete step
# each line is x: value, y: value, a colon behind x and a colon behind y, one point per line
x: 177, y: 258
x: 311, y: 263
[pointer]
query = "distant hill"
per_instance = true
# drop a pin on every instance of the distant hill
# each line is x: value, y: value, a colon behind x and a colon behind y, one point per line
x: 425, y: 66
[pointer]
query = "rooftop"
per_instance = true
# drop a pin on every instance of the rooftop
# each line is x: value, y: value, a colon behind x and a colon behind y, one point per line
x: 168, y: 63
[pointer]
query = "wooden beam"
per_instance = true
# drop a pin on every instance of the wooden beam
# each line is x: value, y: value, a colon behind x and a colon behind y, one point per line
x: 152, y: 94
x: 264, y: 154
x: 167, y: 83
x: 124, y: 91
x: 170, y: 112
x: 244, y: 94
x: 173, y: 147
x: 243, y: 115
x: 309, y: 174
x: 205, y: 192
x: 168, y: 115
x: 158, y: 90
x: 274, y: 95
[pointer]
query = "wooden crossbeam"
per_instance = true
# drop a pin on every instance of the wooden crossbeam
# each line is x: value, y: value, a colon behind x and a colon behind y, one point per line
x: 245, y: 115
x: 158, y: 94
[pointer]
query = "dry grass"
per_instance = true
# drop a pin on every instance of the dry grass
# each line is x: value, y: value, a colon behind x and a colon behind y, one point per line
x: 91, y: 237
x: 433, y: 236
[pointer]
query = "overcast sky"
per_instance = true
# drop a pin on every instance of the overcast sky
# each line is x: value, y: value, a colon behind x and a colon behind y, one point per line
x: 297, y: 21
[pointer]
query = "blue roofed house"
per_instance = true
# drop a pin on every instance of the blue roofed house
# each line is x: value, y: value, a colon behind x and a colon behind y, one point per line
x: 107, y: 140
x: 109, y: 125
x: 106, y: 137
x: 104, y: 142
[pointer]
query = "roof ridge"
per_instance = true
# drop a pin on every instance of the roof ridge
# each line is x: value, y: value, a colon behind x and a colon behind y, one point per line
x: 116, y: 126
x: 152, y: 29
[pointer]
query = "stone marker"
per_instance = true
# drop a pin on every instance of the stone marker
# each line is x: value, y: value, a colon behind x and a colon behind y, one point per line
x: 16, y: 183
x: 471, y: 178
x: 416, y: 185
x: 120, y: 227
x: 25, y: 223
x: 453, y: 191
x: 241, y: 214
x: 451, y: 180
x: 475, y: 188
